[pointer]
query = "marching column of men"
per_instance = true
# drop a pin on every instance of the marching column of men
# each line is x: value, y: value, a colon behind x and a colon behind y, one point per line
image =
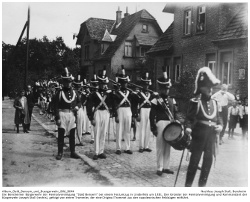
x: 90, y: 108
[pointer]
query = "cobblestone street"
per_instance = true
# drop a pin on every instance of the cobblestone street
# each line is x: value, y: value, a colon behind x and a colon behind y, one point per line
x: 139, y: 169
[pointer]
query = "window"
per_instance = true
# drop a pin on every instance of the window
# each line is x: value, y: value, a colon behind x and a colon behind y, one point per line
x: 128, y: 49
x: 187, y: 22
x: 211, y: 65
x: 86, y: 53
x: 177, y: 74
x: 227, y: 73
x: 102, y: 48
x: 167, y: 64
x: 143, y: 51
x: 168, y: 70
x: 201, y: 19
x: 144, y: 28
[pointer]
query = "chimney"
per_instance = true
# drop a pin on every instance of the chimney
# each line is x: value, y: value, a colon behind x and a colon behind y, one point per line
x: 118, y: 16
x: 126, y: 14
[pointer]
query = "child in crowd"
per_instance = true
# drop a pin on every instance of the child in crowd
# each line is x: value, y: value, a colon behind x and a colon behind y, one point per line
x: 233, y: 116
x: 244, y: 118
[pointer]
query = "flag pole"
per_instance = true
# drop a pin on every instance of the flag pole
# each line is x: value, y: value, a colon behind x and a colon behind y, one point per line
x: 27, y: 50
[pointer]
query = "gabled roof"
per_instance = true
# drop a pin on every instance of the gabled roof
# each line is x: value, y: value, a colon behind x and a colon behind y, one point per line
x: 123, y: 30
x: 165, y: 42
x: 237, y: 28
x: 108, y: 37
x: 96, y: 28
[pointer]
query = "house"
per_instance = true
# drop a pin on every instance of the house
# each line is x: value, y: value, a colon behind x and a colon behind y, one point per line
x: 205, y: 34
x: 113, y: 43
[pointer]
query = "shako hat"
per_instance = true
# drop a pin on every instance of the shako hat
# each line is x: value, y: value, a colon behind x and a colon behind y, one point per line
x: 103, y: 79
x: 94, y: 79
x: 123, y: 78
x: 66, y: 75
x: 145, y: 79
x: 164, y: 80
x: 77, y: 80
x: 205, y: 77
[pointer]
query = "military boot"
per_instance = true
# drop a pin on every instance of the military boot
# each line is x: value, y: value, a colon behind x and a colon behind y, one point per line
x: 60, y: 143
x: 72, y: 145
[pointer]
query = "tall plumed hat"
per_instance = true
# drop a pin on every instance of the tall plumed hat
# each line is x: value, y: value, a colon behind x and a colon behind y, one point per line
x: 77, y: 80
x: 164, y: 80
x: 103, y: 77
x: 145, y: 79
x: 94, y: 80
x: 66, y: 75
x: 85, y: 83
x: 205, y: 77
x: 123, y: 77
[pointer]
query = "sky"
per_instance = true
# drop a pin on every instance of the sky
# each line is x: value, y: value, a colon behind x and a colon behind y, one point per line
x: 64, y: 18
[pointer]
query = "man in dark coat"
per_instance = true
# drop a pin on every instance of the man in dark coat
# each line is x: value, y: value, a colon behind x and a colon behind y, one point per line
x: 204, y: 124
x: 31, y: 102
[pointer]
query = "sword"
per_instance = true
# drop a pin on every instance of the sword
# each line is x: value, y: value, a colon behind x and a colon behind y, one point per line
x: 179, y: 167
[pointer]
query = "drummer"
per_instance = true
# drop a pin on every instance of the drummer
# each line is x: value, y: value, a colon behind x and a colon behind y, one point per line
x: 204, y: 122
x: 159, y: 120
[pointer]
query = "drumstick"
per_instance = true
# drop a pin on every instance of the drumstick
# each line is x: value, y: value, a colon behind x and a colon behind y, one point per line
x: 179, y: 167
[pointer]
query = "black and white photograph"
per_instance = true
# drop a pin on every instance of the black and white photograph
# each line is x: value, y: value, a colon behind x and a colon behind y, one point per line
x: 125, y: 100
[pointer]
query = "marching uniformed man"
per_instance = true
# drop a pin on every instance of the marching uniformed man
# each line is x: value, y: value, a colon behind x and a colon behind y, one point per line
x: 101, y: 102
x: 84, y: 98
x: 159, y: 119
x: 143, y: 130
x: 113, y: 124
x: 94, y: 88
x: 125, y: 107
x: 80, y: 114
x: 204, y: 124
x: 67, y: 103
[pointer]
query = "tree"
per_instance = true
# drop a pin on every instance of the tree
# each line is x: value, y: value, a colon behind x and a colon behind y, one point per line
x: 47, y: 59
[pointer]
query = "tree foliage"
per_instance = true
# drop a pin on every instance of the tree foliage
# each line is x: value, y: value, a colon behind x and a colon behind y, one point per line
x: 47, y: 59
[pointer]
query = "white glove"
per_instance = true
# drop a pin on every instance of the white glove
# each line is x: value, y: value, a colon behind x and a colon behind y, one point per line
x: 188, y: 131
x: 218, y: 128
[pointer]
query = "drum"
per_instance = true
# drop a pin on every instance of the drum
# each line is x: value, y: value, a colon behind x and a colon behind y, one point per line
x: 175, y: 136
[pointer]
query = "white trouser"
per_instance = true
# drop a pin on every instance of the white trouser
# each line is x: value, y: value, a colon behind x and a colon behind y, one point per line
x: 80, y: 124
x: 123, y: 127
x: 143, y: 129
x: 86, y: 123
x: 67, y: 121
x: 162, y: 147
x: 92, y: 134
x: 101, y: 118
x: 112, y: 127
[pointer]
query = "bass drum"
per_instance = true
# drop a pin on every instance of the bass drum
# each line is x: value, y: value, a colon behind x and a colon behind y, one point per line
x: 175, y: 136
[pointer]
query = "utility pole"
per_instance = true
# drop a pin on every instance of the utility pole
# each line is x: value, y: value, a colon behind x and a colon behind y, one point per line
x: 27, y: 50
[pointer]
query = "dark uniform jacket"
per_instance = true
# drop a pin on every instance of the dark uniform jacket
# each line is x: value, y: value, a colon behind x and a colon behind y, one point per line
x: 143, y: 100
x: 129, y: 102
x: 61, y: 103
x: 84, y: 97
x: 202, y: 117
x: 95, y: 103
x: 158, y: 113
